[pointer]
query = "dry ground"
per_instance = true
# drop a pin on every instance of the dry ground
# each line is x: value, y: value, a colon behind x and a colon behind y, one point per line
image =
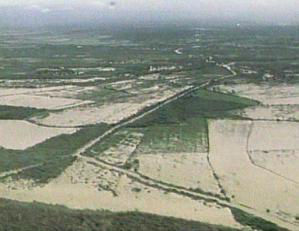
x: 190, y: 170
x: 84, y: 185
x: 19, y: 135
x: 245, y: 182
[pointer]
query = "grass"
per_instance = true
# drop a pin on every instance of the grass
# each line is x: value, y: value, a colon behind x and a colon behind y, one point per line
x: 103, y: 95
x: 54, y: 151
x: 188, y: 136
x: 217, y: 105
x: 254, y: 222
x: 48, y: 170
x: 110, y: 141
x: 19, y: 113
x: 22, y: 216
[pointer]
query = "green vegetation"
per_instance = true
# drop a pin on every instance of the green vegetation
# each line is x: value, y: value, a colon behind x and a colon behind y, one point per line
x: 254, y: 222
x: 187, y: 136
x: 262, y: 49
x: 37, y: 216
x: 218, y: 105
x: 103, y: 95
x: 19, y: 113
x: 181, y: 126
x: 54, y: 154
x: 202, y: 103
x: 108, y: 142
x: 46, y: 171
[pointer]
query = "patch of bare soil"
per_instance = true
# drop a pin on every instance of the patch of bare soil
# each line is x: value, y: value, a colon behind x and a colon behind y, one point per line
x: 243, y: 181
x: 190, y: 170
x: 19, y: 135
x: 85, y: 186
x: 41, y: 102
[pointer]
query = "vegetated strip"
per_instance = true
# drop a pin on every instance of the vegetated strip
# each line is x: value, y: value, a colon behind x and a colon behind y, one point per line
x: 19, y: 113
x: 16, y: 215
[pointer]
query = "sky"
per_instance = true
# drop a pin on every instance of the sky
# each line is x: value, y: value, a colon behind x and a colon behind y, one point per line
x: 259, y: 11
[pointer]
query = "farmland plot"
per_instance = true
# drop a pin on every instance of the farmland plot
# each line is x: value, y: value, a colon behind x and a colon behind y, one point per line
x: 274, y: 146
x: 244, y: 182
x: 190, y: 170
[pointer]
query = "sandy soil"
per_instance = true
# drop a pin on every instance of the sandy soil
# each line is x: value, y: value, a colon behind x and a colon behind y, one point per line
x: 110, y: 113
x: 19, y: 135
x: 39, y: 82
x: 119, y: 154
x: 279, y: 102
x: 268, y: 135
x: 107, y: 113
x: 18, y: 91
x: 282, y: 162
x: 268, y: 95
x: 190, y: 170
x: 150, y: 77
x: 274, y: 145
x: 127, y: 195
x: 40, y: 102
x: 69, y: 92
x: 272, y: 112
x: 122, y: 85
x: 247, y: 183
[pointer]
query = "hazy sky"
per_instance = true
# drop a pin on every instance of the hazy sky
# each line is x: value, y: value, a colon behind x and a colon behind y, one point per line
x: 264, y: 11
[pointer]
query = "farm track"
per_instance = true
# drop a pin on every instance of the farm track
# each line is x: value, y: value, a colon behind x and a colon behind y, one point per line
x: 184, y: 191
x: 16, y: 171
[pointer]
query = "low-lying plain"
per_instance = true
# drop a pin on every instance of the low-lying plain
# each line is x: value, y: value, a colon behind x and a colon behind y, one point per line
x: 195, y: 125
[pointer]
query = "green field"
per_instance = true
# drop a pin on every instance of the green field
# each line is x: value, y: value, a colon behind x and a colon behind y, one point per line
x: 36, y: 216
x: 19, y: 113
